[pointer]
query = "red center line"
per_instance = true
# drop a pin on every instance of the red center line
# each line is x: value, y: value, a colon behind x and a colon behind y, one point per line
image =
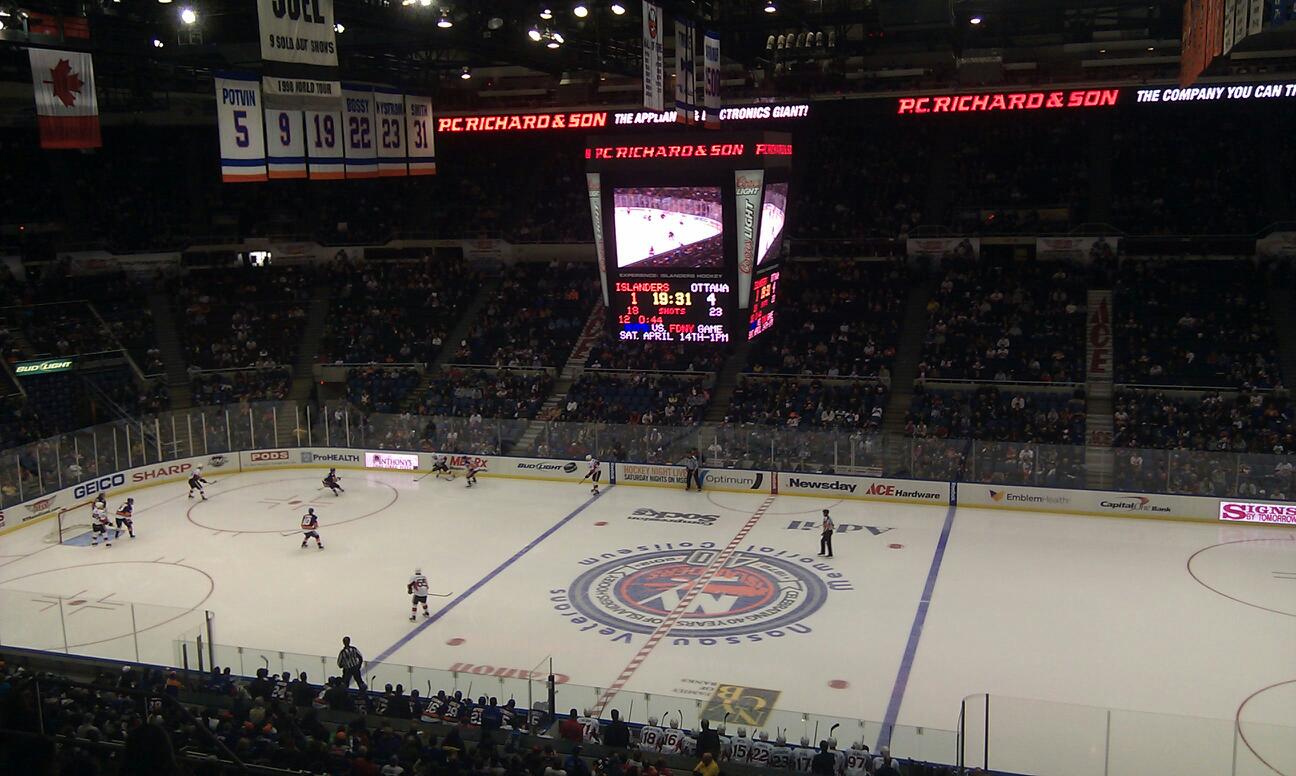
x: 669, y: 621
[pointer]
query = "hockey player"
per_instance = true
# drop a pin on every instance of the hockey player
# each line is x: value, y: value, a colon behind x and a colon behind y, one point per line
x: 589, y: 727
x: 435, y: 707
x: 418, y: 588
x: 454, y: 706
x: 196, y: 483
x: 740, y: 753
x: 803, y: 756
x: 688, y: 746
x: 650, y: 737
x: 125, y: 515
x: 440, y: 466
x: 672, y: 738
x: 781, y: 756
x: 473, y: 467
x: 280, y: 690
x: 761, y: 750
x: 839, y: 757
x: 333, y: 482
x: 594, y: 474
x: 99, y: 524
x: 310, y: 528
x: 857, y: 759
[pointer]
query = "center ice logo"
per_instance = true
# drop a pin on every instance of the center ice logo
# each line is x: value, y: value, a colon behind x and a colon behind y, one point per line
x: 758, y: 592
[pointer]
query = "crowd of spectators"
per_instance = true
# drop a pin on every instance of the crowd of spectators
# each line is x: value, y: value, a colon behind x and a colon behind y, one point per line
x: 380, y: 389
x: 1006, y: 321
x: 836, y: 318
x: 235, y: 318
x: 249, y: 385
x: 486, y: 393
x: 1202, y: 323
x: 394, y: 311
x: 1246, y: 422
x: 821, y: 404
x: 535, y: 318
x: 994, y: 414
x: 637, y: 399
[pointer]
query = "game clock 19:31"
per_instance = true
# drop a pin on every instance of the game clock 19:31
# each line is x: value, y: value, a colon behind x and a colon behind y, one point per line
x: 671, y: 310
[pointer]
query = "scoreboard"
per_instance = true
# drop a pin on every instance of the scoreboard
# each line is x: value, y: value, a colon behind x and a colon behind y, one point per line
x: 683, y: 225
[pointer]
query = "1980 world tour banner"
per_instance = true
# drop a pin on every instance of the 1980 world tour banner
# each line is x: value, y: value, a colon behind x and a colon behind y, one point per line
x: 759, y: 593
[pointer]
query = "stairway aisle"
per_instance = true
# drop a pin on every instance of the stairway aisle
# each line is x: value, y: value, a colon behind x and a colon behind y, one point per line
x: 590, y: 334
x: 168, y: 342
x: 727, y: 382
x: 317, y: 316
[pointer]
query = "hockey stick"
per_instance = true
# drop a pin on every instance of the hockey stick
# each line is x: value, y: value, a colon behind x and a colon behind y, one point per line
x: 680, y: 712
x: 833, y: 729
x: 440, y: 595
x: 630, y: 714
x: 265, y: 660
x: 815, y: 740
x: 429, y: 688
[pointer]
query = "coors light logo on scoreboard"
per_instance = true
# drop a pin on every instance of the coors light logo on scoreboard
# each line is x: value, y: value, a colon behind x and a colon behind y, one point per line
x: 748, y: 185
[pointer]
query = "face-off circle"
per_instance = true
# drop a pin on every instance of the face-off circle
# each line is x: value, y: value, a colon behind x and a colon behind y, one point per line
x: 752, y: 593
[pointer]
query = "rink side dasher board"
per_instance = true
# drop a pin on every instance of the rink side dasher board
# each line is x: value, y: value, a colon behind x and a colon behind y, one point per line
x: 44, y: 507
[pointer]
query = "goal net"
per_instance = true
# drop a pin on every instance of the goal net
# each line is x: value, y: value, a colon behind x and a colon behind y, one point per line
x: 71, y: 525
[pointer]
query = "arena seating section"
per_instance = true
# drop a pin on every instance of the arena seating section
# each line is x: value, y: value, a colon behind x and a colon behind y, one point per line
x: 534, y: 319
x: 241, y: 318
x: 393, y: 312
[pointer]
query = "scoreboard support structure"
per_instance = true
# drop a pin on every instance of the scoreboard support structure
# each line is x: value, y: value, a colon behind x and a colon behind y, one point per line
x: 689, y: 229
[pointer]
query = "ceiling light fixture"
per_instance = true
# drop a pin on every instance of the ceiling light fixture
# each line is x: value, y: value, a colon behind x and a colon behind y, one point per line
x: 618, y: 9
x: 157, y: 43
x: 188, y: 16
x: 534, y: 34
x: 580, y: 10
x: 770, y: 7
x: 339, y: 28
x: 444, y: 22
x: 465, y: 73
x: 975, y: 20
x: 546, y: 14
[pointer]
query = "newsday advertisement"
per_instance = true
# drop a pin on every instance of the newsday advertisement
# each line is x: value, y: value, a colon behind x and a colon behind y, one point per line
x: 1250, y: 512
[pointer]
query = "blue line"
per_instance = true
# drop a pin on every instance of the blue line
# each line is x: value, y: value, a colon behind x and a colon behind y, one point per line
x: 443, y: 611
x: 915, y: 631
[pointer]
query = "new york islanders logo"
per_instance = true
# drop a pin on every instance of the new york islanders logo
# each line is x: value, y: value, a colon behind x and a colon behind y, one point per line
x: 752, y: 592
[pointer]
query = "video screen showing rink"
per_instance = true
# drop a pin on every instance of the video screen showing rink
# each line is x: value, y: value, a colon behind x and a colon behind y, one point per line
x: 1069, y: 612
x: 669, y: 226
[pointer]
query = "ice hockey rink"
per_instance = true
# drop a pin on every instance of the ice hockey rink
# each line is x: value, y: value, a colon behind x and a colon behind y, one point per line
x: 921, y: 606
x: 645, y: 232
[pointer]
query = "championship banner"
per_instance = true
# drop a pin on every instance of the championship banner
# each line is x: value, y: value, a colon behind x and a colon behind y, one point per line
x: 596, y: 215
x: 654, y: 64
x: 285, y: 143
x: 324, y: 156
x: 66, y: 109
x: 358, y: 129
x: 389, y: 110
x: 1082, y: 249
x: 298, y: 32
x: 748, y: 186
x: 685, y: 82
x: 302, y: 93
x: 711, y: 80
x: 418, y: 135
x: 242, y: 134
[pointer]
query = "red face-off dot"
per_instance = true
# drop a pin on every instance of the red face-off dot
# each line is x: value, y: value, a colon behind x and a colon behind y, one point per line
x: 601, y: 523
x: 454, y: 642
x: 896, y: 546
x: 839, y: 684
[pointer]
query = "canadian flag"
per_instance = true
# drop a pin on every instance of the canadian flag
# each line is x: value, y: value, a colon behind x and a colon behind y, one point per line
x: 66, y: 108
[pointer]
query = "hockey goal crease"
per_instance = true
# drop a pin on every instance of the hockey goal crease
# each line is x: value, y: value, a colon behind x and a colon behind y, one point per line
x: 71, y: 523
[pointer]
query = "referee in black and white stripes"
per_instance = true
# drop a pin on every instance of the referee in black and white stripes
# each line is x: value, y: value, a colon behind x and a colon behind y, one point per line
x: 350, y: 660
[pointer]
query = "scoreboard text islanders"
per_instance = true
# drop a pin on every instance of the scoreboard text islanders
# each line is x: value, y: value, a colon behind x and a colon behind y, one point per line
x: 687, y: 226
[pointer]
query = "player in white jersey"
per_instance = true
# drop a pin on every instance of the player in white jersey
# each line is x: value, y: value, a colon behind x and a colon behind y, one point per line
x: 839, y: 757
x: 650, y: 737
x: 672, y: 738
x: 688, y: 746
x: 781, y: 757
x: 418, y: 588
x: 99, y: 524
x: 803, y: 756
x: 594, y: 474
x: 741, y: 750
x: 726, y: 744
x: 310, y: 528
x: 474, y: 467
x: 589, y: 727
x: 857, y: 759
x: 760, y: 751
x: 440, y: 466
